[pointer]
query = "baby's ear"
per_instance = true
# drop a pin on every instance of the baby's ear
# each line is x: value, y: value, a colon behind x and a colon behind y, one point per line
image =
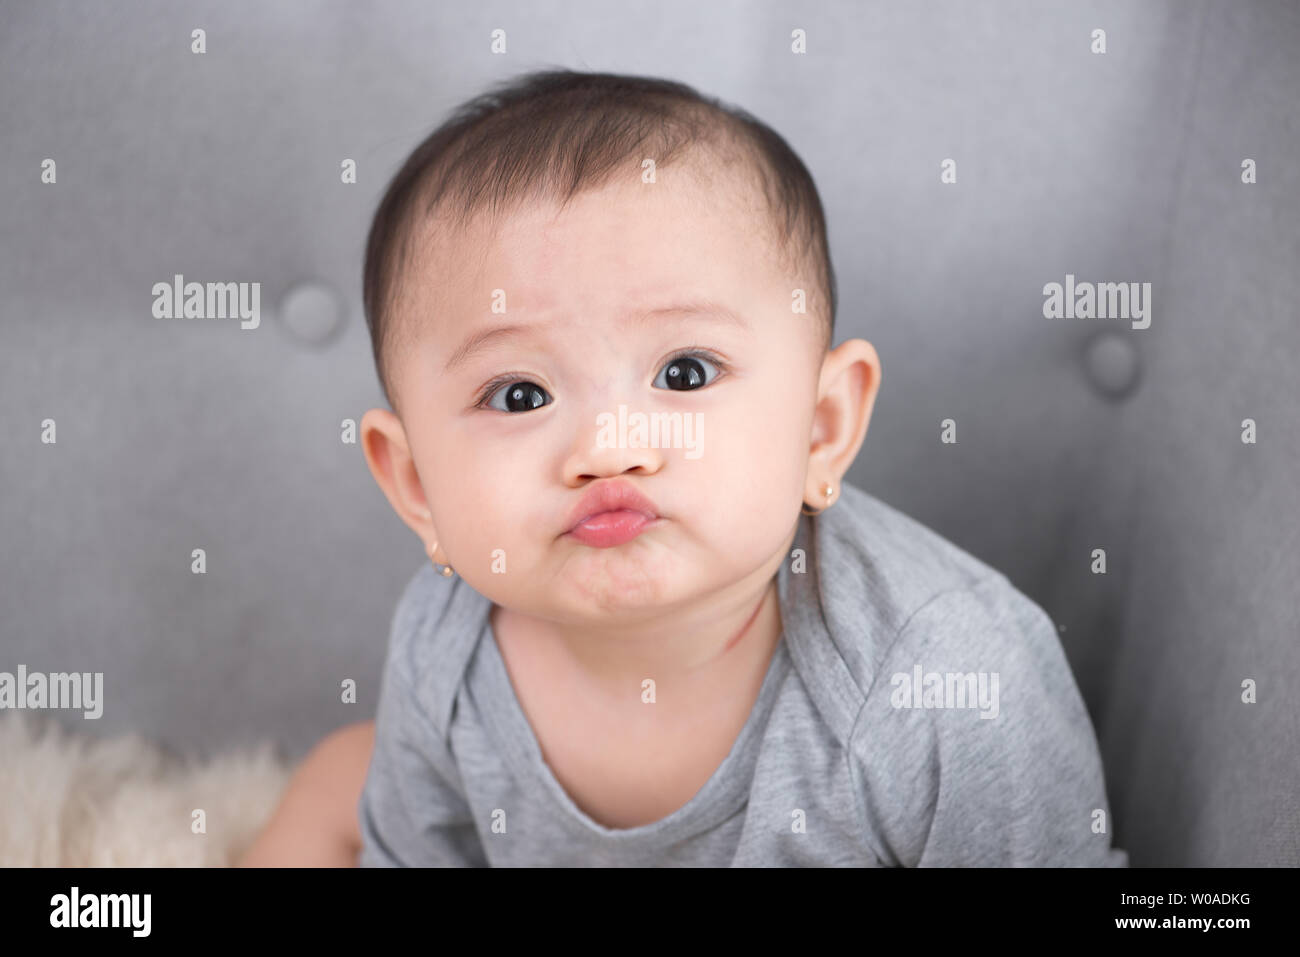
x: 850, y: 380
x: 383, y: 440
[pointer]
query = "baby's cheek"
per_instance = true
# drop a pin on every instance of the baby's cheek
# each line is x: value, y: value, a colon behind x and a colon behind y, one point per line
x: 488, y: 522
x: 758, y: 452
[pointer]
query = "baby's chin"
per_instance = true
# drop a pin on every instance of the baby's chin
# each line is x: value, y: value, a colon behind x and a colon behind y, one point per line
x: 638, y: 580
x: 627, y: 580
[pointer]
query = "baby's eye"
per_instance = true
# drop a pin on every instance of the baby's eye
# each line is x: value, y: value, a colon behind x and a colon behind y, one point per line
x: 686, y: 373
x: 520, y: 396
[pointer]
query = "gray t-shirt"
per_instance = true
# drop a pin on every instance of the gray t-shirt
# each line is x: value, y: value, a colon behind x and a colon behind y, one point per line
x: 918, y: 711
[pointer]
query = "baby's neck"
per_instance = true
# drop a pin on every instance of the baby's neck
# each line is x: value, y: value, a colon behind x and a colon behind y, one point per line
x: 689, y: 655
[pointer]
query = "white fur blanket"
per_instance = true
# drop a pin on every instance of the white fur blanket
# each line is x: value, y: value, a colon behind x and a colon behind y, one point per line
x: 70, y: 800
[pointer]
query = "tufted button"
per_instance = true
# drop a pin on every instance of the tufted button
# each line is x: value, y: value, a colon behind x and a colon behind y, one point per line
x: 1112, y: 364
x: 312, y: 312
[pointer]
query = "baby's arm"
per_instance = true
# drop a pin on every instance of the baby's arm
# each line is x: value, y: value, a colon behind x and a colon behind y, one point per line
x: 315, y: 824
x: 1016, y: 784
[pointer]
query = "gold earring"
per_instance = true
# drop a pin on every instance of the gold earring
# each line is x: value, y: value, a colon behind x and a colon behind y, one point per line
x: 445, y: 569
x: 827, y: 490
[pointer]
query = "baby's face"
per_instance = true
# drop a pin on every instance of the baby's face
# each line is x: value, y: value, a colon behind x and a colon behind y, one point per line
x: 590, y: 294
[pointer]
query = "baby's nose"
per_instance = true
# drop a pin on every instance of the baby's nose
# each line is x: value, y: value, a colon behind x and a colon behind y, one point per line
x: 604, y: 444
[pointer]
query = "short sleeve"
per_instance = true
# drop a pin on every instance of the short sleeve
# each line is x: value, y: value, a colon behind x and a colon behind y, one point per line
x: 973, y: 746
x: 413, y: 810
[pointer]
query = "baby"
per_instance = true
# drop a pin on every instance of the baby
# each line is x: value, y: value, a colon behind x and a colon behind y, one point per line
x: 658, y: 628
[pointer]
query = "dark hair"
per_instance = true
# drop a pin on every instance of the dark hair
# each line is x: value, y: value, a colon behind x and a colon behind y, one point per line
x: 556, y: 132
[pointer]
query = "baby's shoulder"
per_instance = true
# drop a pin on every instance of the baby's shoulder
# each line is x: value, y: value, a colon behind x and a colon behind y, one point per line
x: 894, y: 560
x: 887, y: 591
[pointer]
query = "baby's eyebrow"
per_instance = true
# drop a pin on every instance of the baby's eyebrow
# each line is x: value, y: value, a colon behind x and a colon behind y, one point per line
x: 699, y: 309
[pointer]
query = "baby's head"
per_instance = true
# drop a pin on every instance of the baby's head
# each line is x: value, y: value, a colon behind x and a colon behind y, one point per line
x: 582, y: 282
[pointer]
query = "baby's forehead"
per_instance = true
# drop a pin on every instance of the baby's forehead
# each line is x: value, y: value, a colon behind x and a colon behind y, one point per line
x: 679, y: 228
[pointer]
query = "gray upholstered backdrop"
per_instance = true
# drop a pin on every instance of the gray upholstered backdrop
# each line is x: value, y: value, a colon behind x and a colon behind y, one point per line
x: 1073, y: 434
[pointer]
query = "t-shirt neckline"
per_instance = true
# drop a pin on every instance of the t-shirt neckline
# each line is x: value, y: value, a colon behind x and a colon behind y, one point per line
x: 721, y: 796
